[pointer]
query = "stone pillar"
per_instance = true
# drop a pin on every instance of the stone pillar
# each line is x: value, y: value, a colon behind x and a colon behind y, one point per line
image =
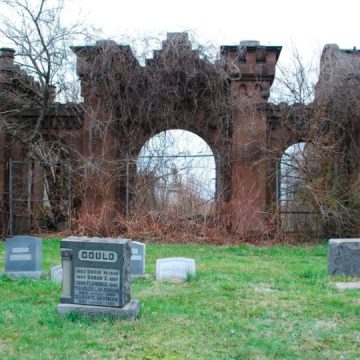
x: 248, y: 172
x: 251, y: 69
x: 104, y: 164
x: 66, y: 256
x: 3, y: 184
x: 6, y: 58
x: 6, y: 62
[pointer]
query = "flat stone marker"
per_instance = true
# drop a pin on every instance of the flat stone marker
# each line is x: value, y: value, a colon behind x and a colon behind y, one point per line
x: 96, y: 278
x: 137, y: 263
x: 56, y: 274
x: 353, y: 285
x: 23, y: 256
x: 175, y: 269
x: 344, y: 257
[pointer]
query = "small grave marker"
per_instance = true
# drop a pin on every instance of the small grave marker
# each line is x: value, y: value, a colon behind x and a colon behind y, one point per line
x: 177, y: 268
x: 354, y: 285
x: 23, y: 256
x: 96, y: 278
x: 137, y: 263
x: 344, y: 257
x: 56, y: 274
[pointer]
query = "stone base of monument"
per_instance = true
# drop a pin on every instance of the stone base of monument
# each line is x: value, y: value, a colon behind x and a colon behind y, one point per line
x: 25, y: 274
x: 143, y: 276
x: 129, y: 312
x: 344, y: 257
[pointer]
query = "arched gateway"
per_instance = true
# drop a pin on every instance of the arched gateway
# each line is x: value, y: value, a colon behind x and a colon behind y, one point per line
x: 175, y: 177
x: 125, y: 104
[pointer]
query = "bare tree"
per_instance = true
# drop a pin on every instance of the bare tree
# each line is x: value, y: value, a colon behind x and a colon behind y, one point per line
x: 41, y: 39
x: 326, y: 183
x: 295, y: 82
x: 36, y: 30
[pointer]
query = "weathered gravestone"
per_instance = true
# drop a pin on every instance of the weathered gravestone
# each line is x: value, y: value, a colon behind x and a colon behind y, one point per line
x: 175, y: 269
x: 137, y: 263
x: 344, y: 257
x: 23, y: 256
x: 96, y: 278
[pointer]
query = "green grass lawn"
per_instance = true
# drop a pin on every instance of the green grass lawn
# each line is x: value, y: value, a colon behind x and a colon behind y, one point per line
x: 245, y: 303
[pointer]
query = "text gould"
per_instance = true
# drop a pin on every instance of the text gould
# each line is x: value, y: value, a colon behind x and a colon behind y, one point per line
x: 98, y: 255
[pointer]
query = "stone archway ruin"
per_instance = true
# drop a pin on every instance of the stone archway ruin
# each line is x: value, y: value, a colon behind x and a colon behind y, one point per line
x: 178, y: 89
x: 125, y: 103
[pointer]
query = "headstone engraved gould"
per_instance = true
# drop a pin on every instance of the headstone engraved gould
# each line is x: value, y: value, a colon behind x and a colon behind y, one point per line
x: 95, y: 285
x: 96, y: 277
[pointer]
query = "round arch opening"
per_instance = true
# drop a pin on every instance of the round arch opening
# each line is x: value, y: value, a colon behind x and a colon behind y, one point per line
x: 176, y: 175
x: 294, y: 212
x: 292, y: 164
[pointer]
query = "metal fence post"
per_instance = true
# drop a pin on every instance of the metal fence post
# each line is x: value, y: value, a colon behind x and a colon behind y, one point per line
x: 29, y: 190
x: 278, y: 195
x: 10, y: 199
x: 69, y: 193
x: 127, y: 188
x: 217, y: 176
x: 217, y: 187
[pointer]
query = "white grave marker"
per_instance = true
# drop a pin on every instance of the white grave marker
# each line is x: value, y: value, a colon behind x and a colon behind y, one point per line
x: 176, y: 268
x: 56, y: 274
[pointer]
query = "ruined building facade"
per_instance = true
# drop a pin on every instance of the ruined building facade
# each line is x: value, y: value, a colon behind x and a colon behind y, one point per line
x: 125, y: 103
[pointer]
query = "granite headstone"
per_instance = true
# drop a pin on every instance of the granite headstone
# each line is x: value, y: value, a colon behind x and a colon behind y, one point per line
x: 344, y: 257
x: 23, y: 256
x: 137, y: 263
x: 96, y: 277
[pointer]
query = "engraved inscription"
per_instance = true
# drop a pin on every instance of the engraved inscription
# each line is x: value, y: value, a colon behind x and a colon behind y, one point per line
x: 20, y: 254
x: 98, y: 255
x: 20, y: 257
x: 95, y: 286
x: 20, y: 250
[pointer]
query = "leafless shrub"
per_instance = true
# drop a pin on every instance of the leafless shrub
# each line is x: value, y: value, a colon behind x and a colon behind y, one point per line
x: 327, y: 170
x: 36, y: 30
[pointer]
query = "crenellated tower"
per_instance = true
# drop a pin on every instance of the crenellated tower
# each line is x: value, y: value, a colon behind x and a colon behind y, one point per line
x: 251, y: 71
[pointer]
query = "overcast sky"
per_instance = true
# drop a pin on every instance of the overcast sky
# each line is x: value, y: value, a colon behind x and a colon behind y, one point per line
x: 308, y: 25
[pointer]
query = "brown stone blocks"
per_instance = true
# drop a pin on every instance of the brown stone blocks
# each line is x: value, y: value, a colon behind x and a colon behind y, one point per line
x: 6, y: 58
